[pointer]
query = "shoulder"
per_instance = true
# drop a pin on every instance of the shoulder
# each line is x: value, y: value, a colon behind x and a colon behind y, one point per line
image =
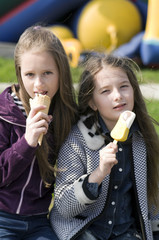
x: 5, y: 100
x: 5, y: 93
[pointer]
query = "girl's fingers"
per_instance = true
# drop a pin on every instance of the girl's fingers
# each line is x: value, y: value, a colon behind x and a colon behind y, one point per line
x: 35, y: 110
x: 41, y: 123
x: 50, y: 118
x: 112, y: 145
x: 37, y: 123
x: 38, y: 117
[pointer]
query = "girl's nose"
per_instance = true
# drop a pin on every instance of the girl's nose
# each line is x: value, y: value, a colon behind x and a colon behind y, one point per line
x: 117, y: 94
x: 38, y: 81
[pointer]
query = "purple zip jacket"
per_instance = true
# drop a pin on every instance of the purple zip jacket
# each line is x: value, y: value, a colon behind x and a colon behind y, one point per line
x: 21, y: 188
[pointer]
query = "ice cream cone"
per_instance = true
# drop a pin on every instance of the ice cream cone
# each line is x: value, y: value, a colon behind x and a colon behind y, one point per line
x: 38, y: 101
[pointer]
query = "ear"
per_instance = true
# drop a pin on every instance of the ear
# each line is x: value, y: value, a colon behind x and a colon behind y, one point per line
x: 92, y: 105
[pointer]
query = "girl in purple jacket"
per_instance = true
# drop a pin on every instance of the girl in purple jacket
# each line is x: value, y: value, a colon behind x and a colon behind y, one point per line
x: 27, y: 170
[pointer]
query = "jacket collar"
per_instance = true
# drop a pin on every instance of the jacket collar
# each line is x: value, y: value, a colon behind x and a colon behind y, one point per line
x: 9, y: 110
x: 89, y: 131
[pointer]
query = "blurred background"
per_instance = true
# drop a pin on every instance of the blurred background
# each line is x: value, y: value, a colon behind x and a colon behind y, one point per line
x: 122, y: 27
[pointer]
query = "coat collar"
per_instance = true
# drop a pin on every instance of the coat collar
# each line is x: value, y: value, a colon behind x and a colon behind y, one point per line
x: 9, y: 111
x: 89, y: 131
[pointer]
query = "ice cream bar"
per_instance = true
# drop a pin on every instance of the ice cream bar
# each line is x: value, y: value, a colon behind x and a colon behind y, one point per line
x: 39, y: 100
x: 121, y: 130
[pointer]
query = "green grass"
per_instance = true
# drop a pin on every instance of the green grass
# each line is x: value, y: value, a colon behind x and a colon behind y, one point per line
x: 150, y: 75
x: 152, y: 107
x: 76, y: 74
x: 7, y: 70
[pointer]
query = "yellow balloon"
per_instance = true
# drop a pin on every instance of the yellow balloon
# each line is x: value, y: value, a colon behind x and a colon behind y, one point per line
x: 62, y: 32
x: 106, y: 24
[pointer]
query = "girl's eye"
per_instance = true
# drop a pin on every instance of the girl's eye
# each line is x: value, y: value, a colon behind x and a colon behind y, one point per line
x: 124, y: 86
x: 105, y: 91
x: 30, y: 74
x: 47, y: 73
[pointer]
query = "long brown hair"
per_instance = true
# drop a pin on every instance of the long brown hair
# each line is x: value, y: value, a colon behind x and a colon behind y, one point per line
x: 146, y: 122
x: 63, y: 105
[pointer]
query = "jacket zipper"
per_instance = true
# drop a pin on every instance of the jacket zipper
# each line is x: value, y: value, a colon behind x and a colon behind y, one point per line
x: 12, y: 122
x: 24, y: 187
x: 40, y: 190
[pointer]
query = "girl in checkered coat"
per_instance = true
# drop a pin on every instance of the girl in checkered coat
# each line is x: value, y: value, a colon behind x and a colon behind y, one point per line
x: 103, y: 190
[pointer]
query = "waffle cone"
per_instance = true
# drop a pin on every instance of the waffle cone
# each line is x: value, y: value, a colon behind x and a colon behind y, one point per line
x: 38, y: 101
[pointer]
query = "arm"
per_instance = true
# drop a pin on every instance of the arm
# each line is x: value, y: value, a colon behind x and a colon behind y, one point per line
x: 17, y: 146
x: 14, y: 156
x: 71, y: 195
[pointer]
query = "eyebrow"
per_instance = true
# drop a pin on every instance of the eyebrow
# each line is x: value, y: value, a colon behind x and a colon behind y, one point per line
x: 107, y: 86
x: 125, y: 81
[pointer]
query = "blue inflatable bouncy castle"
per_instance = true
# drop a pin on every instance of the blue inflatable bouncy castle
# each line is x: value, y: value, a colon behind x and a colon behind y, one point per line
x: 29, y: 12
x: 144, y: 45
x: 150, y: 44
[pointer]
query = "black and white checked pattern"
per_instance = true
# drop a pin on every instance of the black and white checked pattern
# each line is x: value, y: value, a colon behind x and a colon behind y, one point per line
x: 78, y: 157
x: 140, y: 170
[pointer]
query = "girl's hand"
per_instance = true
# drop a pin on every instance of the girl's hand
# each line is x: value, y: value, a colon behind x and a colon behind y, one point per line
x: 36, y: 124
x: 107, y: 160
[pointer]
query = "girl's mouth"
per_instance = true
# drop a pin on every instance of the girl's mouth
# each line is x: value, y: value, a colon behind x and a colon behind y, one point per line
x: 120, y: 106
x: 42, y: 93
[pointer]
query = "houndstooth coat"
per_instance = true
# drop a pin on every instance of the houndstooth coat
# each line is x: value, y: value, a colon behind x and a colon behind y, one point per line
x: 73, y: 209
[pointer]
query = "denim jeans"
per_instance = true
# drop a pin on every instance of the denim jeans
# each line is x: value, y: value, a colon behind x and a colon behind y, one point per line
x: 15, y: 227
x: 129, y: 235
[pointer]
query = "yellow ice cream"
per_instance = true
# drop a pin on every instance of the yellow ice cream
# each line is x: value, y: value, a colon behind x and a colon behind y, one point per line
x: 121, y: 130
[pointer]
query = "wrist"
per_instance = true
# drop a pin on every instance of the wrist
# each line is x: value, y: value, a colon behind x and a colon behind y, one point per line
x: 96, y: 176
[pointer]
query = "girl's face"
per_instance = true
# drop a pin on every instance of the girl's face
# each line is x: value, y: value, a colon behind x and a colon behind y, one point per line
x: 112, y: 95
x: 39, y: 73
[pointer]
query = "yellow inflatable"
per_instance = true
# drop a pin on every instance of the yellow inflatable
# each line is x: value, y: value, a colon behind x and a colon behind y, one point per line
x: 106, y: 24
x: 149, y: 49
x: 73, y: 49
x: 62, y: 32
x: 152, y: 23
